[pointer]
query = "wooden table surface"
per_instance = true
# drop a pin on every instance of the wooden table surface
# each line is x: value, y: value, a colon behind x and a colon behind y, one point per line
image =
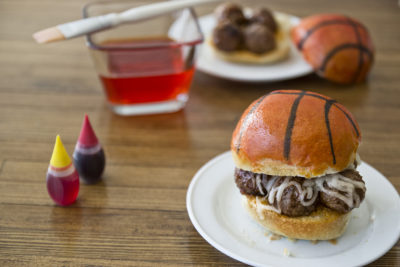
x: 137, y: 215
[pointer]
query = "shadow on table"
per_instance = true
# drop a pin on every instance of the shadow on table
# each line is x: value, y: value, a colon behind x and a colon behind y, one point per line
x: 243, y: 93
x: 68, y: 222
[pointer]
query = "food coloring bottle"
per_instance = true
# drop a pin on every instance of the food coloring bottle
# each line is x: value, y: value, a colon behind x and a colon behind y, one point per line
x: 89, y: 158
x: 62, y: 178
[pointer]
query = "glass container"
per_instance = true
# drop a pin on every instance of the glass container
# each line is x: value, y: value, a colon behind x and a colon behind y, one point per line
x: 145, y: 67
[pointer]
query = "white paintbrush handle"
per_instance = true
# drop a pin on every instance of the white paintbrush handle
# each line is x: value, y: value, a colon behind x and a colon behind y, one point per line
x: 148, y: 11
x: 89, y: 25
x: 94, y: 24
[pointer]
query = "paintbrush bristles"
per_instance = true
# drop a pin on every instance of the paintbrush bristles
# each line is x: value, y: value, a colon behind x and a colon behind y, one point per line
x: 48, y: 35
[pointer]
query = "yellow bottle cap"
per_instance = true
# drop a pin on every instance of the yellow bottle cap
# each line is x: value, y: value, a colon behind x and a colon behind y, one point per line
x: 60, y: 158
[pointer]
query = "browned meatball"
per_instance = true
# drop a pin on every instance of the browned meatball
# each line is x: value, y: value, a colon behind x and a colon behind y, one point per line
x: 290, y: 203
x: 246, y: 182
x: 264, y: 16
x: 227, y: 36
x: 259, y: 39
x: 231, y: 12
x: 338, y: 204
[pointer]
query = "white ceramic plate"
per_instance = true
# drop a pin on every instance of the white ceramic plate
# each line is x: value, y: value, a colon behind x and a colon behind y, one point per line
x: 214, y: 207
x: 294, y: 66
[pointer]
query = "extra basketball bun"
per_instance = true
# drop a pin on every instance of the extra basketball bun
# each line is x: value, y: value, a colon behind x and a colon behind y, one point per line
x: 295, y: 133
x: 322, y: 224
x: 280, y: 52
x: 339, y: 48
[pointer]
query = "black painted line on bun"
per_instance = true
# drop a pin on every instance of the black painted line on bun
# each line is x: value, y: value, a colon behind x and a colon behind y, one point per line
x: 349, y: 119
x: 290, y: 125
x: 328, y: 105
x: 360, y: 54
x: 339, y: 48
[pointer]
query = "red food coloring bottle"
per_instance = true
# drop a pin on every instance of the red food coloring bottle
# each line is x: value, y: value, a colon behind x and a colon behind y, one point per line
x: 62, y: 178
x: 89, y: 158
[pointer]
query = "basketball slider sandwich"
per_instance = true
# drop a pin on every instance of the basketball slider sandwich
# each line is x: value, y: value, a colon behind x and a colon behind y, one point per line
x: 296, y: 157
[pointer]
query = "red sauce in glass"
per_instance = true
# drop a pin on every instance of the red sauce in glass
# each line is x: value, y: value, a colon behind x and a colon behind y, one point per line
x: 147, y: 75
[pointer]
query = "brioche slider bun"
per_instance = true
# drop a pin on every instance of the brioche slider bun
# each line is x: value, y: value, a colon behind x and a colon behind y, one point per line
x: 322, y: 224
x: 296, y: 133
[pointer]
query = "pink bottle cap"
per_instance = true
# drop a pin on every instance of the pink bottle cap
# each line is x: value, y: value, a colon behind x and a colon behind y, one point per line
x: 87, y: 137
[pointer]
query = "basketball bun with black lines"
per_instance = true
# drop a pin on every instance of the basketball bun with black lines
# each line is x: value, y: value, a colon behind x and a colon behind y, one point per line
x: 338, y: 47
x: 295, y: 133
x: 285, y: 140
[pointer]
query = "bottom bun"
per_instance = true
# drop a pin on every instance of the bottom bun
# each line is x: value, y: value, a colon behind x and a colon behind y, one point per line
x: 322, y: 224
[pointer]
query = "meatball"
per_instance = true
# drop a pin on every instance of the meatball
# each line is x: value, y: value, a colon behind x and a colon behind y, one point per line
x: 231, y: 12
x: 259, y: 39
x: 227, y: 36
x: 339, y: 205
x: 290, y: 203
x: 246, y: 181
x: 265, y: 17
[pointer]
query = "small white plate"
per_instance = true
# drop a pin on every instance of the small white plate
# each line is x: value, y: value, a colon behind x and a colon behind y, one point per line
x: 294, y: 66
x: 214, y: 206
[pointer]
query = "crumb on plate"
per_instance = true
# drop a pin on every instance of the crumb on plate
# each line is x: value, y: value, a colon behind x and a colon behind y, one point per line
x: 286, y: 252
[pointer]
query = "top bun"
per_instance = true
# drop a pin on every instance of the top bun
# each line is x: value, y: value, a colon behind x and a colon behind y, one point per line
x: 295, y: 133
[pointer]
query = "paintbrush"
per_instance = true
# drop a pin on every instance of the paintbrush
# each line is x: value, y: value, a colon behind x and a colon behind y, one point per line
x: 94, y: 24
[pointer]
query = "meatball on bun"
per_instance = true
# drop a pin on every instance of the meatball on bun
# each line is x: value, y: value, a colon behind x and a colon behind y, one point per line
x: 296, y: 157
x: 255, y: 36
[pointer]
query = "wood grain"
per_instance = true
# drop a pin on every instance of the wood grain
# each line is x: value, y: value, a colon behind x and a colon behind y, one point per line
x: 137, y: 215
